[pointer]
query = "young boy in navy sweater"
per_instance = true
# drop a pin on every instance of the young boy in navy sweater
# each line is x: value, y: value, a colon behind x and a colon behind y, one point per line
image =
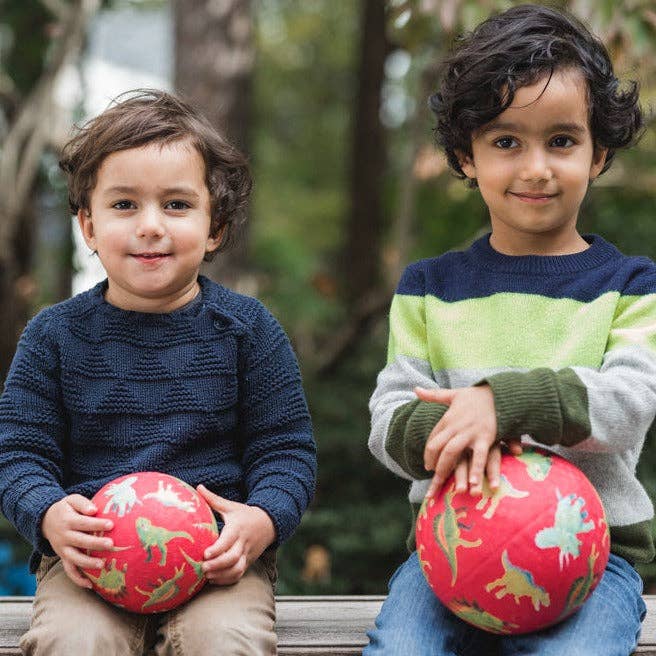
x: 155, y: 369
x: 536, y: 332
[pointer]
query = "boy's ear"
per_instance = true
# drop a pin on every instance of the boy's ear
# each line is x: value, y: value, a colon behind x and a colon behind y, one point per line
x: 86, y: 228
x: 598, y: 161
x: 214, y: 242
x: 466, y: 164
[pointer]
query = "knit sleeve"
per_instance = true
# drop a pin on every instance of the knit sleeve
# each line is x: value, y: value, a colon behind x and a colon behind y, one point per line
x: 32, y: 431
x: 279, y: 454
x: 609, y: 409
x: 401, y: 423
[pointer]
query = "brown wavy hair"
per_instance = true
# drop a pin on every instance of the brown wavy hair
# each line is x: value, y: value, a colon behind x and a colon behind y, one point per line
x: 517, y: 48
x: 145, y: 116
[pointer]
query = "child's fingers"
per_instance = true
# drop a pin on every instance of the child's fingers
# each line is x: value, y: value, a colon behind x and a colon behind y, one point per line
x: 88, y: 524
x: 436, y: 442
x: 230, y: 575
x: 461, y: 474
x: 435, y: 395
x: 225, y: 541
x: 81, y: 560
x: 89, y: 541
x: 479, y: 458
x: 81, y: 504
x: 515, y: 447
x: 449, y: 456
x: 223, y: 561
x: 216, y: 502
x: 75, y: 575
x: 493, y: 468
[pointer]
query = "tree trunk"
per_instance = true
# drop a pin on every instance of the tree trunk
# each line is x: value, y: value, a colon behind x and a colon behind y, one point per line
x: 214, y: 61
x: 365, y: 224
x: 29, y: 134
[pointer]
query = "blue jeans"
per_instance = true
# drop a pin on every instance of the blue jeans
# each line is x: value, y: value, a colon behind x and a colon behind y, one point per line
x: 413, y: 622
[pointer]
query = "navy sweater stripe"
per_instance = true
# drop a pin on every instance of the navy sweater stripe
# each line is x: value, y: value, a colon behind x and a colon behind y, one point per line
x: 481, y: 271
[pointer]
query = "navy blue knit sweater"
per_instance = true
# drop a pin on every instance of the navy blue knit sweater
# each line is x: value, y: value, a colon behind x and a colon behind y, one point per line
x: 210, y: 393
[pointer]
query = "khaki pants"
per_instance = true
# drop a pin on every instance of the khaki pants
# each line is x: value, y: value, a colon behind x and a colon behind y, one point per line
x: 219, y: 621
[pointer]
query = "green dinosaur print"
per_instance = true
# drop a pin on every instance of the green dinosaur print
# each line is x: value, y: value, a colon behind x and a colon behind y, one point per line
x: 569, y: 520
x: 122, y: 497
x: 197, y: 566
x: 581, y: 587
x: 169, y: 498
x: 156, y: 536
x: 471, y: 612
x: 518, y: 583
x: 164, y: 591
x: 537, y: 464
x: 447, y: 528
x: 495, y: 497
x: 111, y: 580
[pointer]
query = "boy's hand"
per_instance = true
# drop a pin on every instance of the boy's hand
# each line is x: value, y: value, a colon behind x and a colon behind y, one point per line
x: 69, y: 526
x: 248, y: 531
x: 462, y: 441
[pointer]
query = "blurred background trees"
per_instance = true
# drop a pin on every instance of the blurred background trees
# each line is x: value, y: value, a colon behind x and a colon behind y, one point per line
x: 329, y: 101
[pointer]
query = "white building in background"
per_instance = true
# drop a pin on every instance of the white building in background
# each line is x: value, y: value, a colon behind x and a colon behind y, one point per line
x: 128, y: 48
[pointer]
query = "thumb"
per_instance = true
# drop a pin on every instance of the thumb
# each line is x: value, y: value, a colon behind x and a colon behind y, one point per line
x: 216, y: 502
x: 435, y: 395
x: 82, y: 504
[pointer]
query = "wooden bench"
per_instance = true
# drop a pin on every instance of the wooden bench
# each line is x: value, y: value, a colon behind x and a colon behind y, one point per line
x: 307, y: 626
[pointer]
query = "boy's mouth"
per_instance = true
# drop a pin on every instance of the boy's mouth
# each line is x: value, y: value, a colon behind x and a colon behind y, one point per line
x: 150, y: 257
x: 532, y: 196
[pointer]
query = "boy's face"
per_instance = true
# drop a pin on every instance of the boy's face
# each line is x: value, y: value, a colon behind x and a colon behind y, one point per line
x: 533, y: 164
x: 149, y: 221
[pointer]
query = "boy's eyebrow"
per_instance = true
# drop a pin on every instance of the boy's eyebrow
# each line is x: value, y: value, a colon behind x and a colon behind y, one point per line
x: 503, y: 126
x: 127, y: 189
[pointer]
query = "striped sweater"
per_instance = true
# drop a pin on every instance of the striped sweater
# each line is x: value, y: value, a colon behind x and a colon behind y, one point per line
x: 568, y: 346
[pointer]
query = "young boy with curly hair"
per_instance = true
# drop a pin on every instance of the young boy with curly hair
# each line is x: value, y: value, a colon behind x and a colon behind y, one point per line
x: 155, y: 369
x: 535, y: 332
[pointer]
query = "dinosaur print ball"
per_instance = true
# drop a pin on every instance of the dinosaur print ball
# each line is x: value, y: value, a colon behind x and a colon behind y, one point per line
x: 521, y: 558
x: 162, y: 527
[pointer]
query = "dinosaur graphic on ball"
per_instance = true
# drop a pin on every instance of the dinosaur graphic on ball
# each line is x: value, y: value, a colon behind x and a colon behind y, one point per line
x: 162, y: 527
x: 519, y: 558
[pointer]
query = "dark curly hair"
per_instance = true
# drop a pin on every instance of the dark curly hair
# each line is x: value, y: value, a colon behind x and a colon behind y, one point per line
x: 145, y: 116
x: 518, y: 48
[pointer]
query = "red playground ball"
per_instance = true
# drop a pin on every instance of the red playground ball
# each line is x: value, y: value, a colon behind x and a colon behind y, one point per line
x: 162, y: 527
x: 522, y: 558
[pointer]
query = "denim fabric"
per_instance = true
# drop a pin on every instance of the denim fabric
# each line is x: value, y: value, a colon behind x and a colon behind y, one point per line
x: 413, y: 622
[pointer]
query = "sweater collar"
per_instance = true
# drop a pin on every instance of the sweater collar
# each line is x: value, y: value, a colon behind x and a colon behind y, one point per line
x: 206, y: 296
x: 484, y: 256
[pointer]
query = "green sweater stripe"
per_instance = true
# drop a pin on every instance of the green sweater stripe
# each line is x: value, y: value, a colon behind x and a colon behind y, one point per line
x: 550, y: 339
x: 407, y: 328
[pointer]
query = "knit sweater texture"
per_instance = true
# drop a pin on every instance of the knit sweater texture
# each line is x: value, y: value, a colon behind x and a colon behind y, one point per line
x: 210, y: 393
x: 568, y: 346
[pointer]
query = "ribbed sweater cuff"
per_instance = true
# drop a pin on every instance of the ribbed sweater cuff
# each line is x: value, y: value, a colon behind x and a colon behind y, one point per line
x: 409, y: 429
x: 281, y: 507
x: 527, y: 403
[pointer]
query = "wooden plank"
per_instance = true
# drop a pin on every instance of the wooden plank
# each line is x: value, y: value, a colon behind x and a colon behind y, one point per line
x: 307, y: 626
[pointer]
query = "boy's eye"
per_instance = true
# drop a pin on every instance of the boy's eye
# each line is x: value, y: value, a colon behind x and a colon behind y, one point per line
x: 506, y: 143
x: 562, y: 141
x: 177, y: 205
x: 123, y: 205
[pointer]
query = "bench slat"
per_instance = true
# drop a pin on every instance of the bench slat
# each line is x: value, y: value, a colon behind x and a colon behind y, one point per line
x: 307, y: 626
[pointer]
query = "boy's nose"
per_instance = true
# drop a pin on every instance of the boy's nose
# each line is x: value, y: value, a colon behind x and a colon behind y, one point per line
x: 150, y: 223
x: 535, y: 167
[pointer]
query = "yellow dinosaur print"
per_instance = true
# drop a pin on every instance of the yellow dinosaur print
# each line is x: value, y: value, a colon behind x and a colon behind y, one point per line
x: 495, y: 497
x: 518, y: 583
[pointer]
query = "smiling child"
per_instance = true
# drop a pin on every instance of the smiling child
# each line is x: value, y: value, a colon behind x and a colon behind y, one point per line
x: 536, y: 333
